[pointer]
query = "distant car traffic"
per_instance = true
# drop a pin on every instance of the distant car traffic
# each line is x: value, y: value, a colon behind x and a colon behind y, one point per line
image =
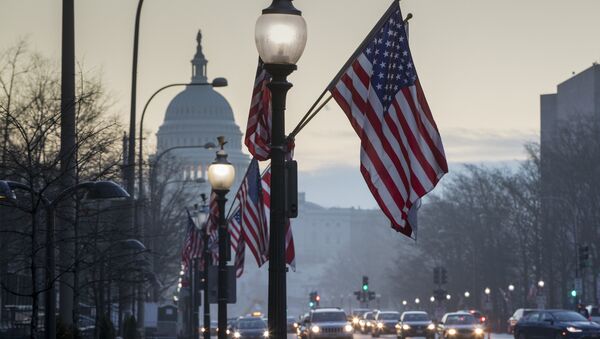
x: 520, y: 313
x: 385, y: 323
x: 356, y: 316
x: 249, y: 328
x: 460, y: 325
x: 291, y: 322
x: 327, y: 323
x: 555, y: 324
x: 367, y: 322
x: 415, y: 324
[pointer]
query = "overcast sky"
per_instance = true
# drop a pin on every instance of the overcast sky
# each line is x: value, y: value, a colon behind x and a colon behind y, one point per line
x: 482, y: 63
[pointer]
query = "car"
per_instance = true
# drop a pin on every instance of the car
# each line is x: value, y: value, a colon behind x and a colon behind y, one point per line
x: 415, y: 324
x: 594, y: 312
x: 301, y: 328
x: 366, y: 322
x: 327, y: 323
x: 385, y: 323
x: 249, y: 328
x: 555, y: 324
x: 356, y: 316
x: 213, y: 328
x: 519, y: 313
x: 483, y: 320
x: 460, y: 325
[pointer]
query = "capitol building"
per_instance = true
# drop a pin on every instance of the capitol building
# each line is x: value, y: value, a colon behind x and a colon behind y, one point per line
x: 334, y: 247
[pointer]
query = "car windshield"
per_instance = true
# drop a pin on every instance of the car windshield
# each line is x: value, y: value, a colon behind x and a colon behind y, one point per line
x: 460, y: 319
x: 416, y: 317
x: 358, y: 313
x: 388, y: 316
x: 251, y: 324
x: 568, y: 316
x: 328, y: 316
x: 369, y: 316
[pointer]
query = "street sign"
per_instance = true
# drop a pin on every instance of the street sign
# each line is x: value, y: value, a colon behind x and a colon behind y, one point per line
x: 213, y: 274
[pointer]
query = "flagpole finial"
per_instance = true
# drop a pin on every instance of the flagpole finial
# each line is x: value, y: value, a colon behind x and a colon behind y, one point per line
x: 222, y: 142
x: 408, y: 17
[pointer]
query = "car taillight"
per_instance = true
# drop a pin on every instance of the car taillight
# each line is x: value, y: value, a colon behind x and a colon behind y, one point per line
x: 482, y: 319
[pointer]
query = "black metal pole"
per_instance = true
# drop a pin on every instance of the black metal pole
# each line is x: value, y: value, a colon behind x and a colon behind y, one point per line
x: 279, y: 87
x: 222, y: 277
x: 50, y: 267
x: 194, y: 305
x: 206, y: 291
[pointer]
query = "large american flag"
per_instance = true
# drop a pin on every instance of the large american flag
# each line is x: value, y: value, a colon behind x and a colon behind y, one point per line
x: 290, y: 251
x: 192, y: 244
x: 212, y: 225
x: 402, y: 157
x: 258, y: 129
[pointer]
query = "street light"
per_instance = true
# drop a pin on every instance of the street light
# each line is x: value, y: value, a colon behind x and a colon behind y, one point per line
x: 221, y: 175
x: 448, y: 297
x: 417, y: 301
x: 511, y: 287
x: 280, y: 37
x: 95, y: 190
x: 541, y: 284
x: 487, y: 291
x: 404, y: 302
x: 432, y: 299
x: 467, y: 294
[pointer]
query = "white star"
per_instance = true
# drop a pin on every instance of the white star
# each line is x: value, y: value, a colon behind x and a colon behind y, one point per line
x: 383, y: 64
x: 405, y: 53
x: 376, y: 52
x: 381, y: 76
x: 386, y: 54
x: 401, y: 39
x: 368, y: 51
x: 388, y: 43
x: 378, y: 86
x: 410, y: 65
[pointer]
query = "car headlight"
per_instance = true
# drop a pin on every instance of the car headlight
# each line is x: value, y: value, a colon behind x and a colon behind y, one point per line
x: 452, y: 331
x: 379, y: 325
x: 355, y: 321
x: 368, y: 323
x: 361, y: 322
x: 431, y: 327
x: 478, y: 331
x: 574, y: 329
x: 203, y: 330
x: 228, y: 331
x: 266, y: 334
x: 295, y: 325
x: 237, y: 334
x: 315, y: 329
x: 348, y: 328
x: 406, y: 327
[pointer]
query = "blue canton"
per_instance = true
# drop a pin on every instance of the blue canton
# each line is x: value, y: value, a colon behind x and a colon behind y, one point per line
x: 392, y: 62
x: 254, y: 186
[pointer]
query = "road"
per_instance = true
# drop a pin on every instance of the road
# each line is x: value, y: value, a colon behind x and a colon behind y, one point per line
x: 362, y: 336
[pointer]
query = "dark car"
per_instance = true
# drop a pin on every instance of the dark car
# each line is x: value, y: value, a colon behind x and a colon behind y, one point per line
x: 249, y: 328
x: 460, y: 325
x: 385, y: 323
x: 519, y: 313
x: 415, y: 324
x: 291, y: 325
x: 556, y: 324
x: 366, y: 323
x: 327, y: 323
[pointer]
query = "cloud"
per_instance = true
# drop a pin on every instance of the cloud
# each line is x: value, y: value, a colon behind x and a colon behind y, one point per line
x: 463, y: 145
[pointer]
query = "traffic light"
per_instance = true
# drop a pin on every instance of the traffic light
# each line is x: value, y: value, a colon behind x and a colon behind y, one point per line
x: 436, y: 275
x: 574, y: 293
x: 365, y: 284
x: 358, y: 295
x: 584, y: 256
x: 444, y: 278
x: 313, y: 299
x: 317, y: 299
x: 371, y: 295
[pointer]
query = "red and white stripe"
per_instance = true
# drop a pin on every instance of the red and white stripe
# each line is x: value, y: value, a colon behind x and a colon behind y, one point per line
x: 237, y: 242
x: 258, y: 129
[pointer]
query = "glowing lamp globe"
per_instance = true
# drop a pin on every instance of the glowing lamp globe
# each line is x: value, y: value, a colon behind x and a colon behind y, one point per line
x: 280, y: 34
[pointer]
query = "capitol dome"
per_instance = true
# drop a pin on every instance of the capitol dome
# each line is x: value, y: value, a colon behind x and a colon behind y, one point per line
x: 195, y: 116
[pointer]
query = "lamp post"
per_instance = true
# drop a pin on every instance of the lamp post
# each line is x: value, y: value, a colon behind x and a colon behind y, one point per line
x: 96, y: 190
x: 200, y: 224
x: 280, y: 37
x: 221, y: 175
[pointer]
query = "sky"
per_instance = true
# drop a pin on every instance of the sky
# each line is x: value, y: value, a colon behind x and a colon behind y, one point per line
x: 482, y: 63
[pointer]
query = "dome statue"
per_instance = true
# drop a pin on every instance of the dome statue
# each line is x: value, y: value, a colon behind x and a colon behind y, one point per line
x: 196, y: 116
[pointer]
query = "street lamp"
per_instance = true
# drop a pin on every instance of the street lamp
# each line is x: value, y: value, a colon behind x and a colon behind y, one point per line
x: 541, y: 284
x: 280, y: 37
x: 432, y: 299
x: 448, y: 297
x: 95, y: 190
x: 467, y: 294
x: 511, y: 287
x: 221, y: 175
x: 404, y: 302
x: 487, y: 291
x: 417, y: 301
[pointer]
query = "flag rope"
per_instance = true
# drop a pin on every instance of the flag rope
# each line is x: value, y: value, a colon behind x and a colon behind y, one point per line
x: 310, y: 114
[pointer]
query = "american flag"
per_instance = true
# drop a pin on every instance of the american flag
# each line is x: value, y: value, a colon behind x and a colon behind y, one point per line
x: 237, y: 241
x: 290, y: 251
x: 212, y: 225
x: 258, y: 129
x: 402, y: 157
x: 254, y: 227
x: 192, y: 244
